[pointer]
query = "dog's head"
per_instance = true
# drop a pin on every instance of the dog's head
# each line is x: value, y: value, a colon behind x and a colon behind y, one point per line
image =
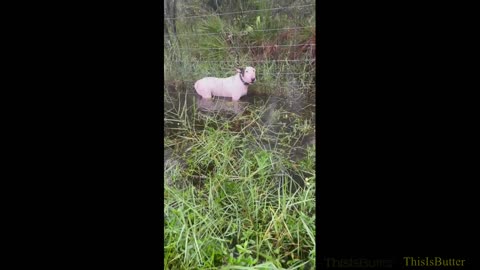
x: 248, y: 74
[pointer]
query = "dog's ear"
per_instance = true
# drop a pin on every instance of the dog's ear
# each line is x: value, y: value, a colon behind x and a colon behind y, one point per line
x: 240, y: 70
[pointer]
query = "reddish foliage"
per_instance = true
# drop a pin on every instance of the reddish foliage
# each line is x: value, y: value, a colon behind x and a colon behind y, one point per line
x: 271, y: 50
x: 309, y: 47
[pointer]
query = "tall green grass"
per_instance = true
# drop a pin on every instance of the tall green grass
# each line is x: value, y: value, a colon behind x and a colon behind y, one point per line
x: 235, y: 197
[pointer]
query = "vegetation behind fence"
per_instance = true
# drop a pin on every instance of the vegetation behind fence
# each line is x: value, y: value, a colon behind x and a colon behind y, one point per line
x: 211, y: 38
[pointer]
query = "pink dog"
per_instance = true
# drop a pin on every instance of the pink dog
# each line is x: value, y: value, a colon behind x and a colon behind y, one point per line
x: 234, y: 87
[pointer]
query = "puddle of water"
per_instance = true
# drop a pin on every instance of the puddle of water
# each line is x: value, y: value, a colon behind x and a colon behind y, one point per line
x: 182, y: 105
x: 299, y: 103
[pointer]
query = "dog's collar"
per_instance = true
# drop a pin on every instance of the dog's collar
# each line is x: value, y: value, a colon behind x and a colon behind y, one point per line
x: 245, y: 83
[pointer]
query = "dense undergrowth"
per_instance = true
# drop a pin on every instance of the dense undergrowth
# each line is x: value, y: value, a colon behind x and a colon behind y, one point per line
x: 237, y: 193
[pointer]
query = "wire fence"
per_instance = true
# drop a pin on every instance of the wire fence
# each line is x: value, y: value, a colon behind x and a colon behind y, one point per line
x: 269, y: 53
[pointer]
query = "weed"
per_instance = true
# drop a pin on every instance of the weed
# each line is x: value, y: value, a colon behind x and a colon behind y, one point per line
x: 233, y: 199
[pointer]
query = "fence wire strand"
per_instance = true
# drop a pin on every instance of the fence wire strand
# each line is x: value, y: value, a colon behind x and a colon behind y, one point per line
x: 238, y: 12
x: 243, y: 47
x: 256, y: 61
x: 278, y: 74
x: 239, y: 33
